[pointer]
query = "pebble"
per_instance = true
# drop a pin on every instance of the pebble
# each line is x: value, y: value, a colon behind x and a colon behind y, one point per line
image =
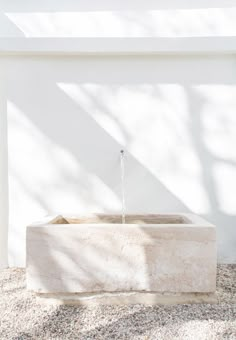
x: 23, y: 318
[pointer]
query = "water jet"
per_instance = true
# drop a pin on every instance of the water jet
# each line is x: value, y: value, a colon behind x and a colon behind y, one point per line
x: 122, y: 258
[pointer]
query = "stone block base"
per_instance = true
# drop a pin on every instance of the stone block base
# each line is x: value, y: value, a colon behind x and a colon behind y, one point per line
x: 174, y: 253
x: 127, y: 298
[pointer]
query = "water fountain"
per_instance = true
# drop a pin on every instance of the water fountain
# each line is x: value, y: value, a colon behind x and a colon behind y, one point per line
x: 100, y: 258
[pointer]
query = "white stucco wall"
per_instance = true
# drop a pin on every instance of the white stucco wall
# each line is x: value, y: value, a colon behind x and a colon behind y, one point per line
x: 4, y: 213
x: 110, y: 18
x: 69, y: 116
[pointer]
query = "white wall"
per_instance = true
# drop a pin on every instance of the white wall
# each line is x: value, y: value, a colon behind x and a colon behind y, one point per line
x: 3, y: 173
x: 69, y: 116
x: 110, y: 18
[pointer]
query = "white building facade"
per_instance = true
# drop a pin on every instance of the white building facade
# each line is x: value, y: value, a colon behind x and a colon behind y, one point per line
x: 80, y: 80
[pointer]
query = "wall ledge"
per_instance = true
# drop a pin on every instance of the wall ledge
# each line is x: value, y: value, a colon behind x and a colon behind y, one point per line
x: 117, y: 46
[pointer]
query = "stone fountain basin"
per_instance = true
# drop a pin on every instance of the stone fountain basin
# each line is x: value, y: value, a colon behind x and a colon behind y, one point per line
x: 97, y: 254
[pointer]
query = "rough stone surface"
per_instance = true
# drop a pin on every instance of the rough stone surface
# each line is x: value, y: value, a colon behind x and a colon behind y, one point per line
x: 115, y: 257
x: 126, y: 298
x: 22, y: 317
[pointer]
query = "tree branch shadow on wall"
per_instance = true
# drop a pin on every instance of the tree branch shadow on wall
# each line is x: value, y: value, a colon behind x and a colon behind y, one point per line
x: 75, y: 130
x: 69, y: 126
x: 98, y: 151
x: 225, y: 223
x: 86, y: 139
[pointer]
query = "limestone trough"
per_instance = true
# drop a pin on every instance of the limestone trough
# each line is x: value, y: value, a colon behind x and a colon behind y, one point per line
x: 97, y: 259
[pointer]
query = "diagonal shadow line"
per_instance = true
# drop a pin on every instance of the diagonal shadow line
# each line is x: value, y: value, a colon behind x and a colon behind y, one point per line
x: 9, y: 26
x: 94, y: 148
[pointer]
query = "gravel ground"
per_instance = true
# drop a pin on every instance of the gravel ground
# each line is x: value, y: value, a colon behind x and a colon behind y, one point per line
x: 21, y: 317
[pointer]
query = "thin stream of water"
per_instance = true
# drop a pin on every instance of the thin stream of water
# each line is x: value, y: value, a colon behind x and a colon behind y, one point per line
x: 122, y: 167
